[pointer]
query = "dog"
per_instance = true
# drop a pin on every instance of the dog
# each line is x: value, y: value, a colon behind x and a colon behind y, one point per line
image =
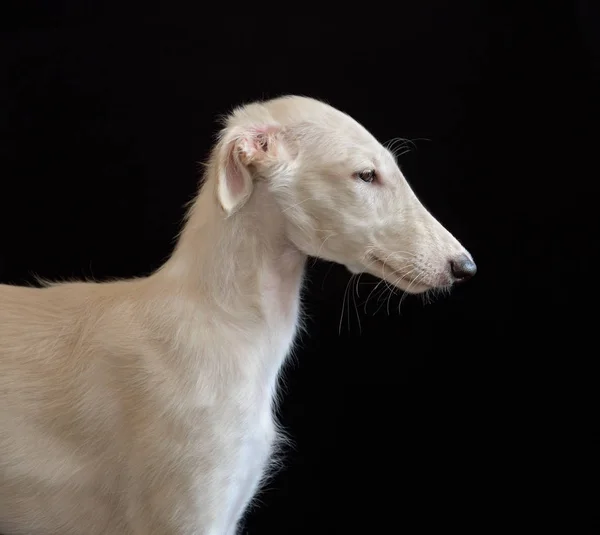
x: 144, y: 406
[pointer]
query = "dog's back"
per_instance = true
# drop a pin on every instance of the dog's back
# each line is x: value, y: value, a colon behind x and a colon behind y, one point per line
x: 36, y: 328
x: 55, y: 427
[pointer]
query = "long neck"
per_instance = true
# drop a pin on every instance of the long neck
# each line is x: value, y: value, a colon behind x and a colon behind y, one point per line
x: 239, y: 264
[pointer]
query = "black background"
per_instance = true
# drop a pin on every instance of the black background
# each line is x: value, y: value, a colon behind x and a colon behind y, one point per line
x: 476, y: 413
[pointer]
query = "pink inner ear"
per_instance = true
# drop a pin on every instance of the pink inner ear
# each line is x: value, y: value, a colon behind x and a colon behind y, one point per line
x: 249, y: 146
x: 261, y: 137
x: 263, y: 142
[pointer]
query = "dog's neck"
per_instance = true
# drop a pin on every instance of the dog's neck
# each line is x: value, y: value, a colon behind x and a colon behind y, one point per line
x: 238, y: 263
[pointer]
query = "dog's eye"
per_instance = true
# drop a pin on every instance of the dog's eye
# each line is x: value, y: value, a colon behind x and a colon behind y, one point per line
x: 367, y: 175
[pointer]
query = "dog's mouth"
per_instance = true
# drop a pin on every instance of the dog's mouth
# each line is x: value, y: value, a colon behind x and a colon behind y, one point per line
x: 395, y: 276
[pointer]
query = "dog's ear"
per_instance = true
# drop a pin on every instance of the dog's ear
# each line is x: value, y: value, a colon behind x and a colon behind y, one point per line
x: 242, y: 151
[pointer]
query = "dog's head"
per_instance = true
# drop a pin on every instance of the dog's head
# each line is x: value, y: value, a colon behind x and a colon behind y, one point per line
x: 342, y: 194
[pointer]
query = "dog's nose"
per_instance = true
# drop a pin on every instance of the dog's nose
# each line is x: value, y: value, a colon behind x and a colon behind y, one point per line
x: 463, y: 268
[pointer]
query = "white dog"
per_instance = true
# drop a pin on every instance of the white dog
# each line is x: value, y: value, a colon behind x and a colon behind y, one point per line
x: 145, y: 406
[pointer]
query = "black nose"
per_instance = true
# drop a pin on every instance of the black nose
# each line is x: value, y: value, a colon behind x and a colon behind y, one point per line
x: 463, y: 268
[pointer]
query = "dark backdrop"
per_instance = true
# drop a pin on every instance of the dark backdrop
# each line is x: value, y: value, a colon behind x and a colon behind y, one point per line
x: 471, y: 413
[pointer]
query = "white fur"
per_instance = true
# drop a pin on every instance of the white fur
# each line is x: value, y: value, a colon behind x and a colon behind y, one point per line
x: 145, y: 406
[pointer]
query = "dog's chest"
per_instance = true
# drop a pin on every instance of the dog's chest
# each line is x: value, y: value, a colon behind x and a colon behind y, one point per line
x: 239, y: 359
x: 253, y: 429
x: 252, y: 448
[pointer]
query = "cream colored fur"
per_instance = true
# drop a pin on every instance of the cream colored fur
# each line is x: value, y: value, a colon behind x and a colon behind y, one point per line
x: 144, y: 407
